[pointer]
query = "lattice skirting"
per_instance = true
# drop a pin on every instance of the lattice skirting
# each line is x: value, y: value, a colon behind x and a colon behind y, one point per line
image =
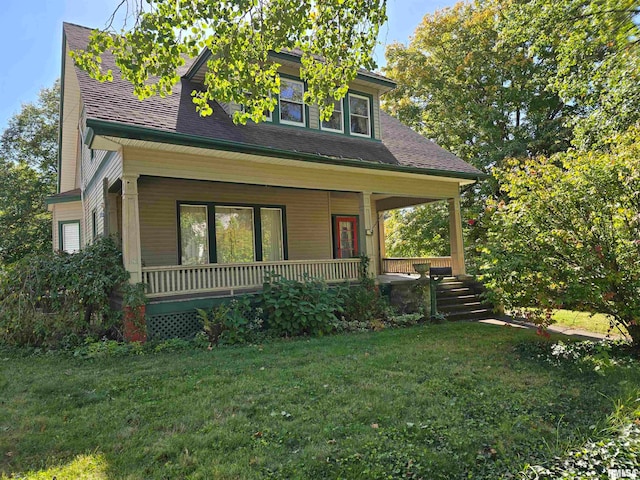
x: 172, y: 325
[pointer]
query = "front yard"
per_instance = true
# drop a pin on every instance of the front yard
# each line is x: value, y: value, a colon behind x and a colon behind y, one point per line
x: 433, y: 402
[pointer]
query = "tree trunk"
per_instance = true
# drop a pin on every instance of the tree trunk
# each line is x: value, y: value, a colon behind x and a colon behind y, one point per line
x: 634, y: 333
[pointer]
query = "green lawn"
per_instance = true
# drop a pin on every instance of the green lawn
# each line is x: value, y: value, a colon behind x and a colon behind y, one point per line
x: 597, y: 323
x: 434, y: 402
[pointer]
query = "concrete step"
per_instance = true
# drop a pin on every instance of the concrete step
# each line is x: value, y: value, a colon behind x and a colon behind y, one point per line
x: 461, y: 307
x: 477, y: 314
x: 456, y: 299
x: 454, y: 292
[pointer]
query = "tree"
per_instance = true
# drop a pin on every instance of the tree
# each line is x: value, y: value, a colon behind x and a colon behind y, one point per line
x: 418, y: 231
x: 335, y: 38
x: 596, y: 44
x: 28, y: 156
x: 570, y: 233
x: 482, y: 97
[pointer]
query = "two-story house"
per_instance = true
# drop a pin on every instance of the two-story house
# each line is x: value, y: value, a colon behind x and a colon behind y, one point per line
x: 205, y: 207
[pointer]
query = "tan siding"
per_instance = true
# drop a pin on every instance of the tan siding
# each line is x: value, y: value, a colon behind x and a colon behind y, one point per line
x: 344, y: 203
x: 314, y: 116
x: 63, y: 212
x: 242, y: 168
x: 306, y: 211
x: 70, y: 119
x: 93, y: 195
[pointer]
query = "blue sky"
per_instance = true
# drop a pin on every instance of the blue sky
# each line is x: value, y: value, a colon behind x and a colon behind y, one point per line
x: 31, y: 36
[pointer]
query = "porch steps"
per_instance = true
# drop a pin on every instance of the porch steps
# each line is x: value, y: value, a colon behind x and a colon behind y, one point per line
x: 461, y: 300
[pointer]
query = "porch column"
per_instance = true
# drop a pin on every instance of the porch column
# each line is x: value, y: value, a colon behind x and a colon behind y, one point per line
x: 131, y: 254
x: 381, y: 242
x: 366, y: 232
x: 455, y: 237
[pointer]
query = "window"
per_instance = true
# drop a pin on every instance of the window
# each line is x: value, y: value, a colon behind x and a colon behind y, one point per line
x: 194, y: 235
x: 231, y: 233
x: 70, y: 236
x: 336, y: 122
x: 292, y: 102
x: 272, y: 234
x: 359, y: 115
x: 94, y: 224
x: 234, y: 235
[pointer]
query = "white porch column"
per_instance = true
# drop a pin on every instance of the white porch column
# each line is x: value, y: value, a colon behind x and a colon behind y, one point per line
x: 455, y: 237
x: 366, y: 232
x: 131, y: 254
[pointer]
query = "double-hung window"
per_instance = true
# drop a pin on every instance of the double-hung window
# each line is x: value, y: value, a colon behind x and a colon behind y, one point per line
x: 291, y: 102
x: 359, y: 115
x: 211, y: 233
x: 69, y: 236
x: 336, y: 122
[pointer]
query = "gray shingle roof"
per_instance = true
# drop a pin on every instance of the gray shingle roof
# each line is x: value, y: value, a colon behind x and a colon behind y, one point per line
x: 115, y: 102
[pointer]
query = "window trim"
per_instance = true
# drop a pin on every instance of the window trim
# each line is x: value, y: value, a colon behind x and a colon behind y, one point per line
x: 333, y: 130
x: 213, y: 251
x: 303, y: 104
x: 370, y: 116
x: 254, y: 231
x: 94, y: 224
x: 61, y: 236
x: 209, y: 242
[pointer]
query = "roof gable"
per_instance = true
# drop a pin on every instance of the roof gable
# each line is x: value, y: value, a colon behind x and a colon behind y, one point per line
x: 175, y: 115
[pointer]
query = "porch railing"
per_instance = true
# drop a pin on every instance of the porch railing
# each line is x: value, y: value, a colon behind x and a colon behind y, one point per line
x: 180, y: 279
x: 405, y: 265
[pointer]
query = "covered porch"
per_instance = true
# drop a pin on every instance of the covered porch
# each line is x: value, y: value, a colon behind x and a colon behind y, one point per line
x: 220, y: 238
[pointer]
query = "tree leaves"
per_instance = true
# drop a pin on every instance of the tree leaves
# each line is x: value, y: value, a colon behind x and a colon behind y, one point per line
x: 334, y: 38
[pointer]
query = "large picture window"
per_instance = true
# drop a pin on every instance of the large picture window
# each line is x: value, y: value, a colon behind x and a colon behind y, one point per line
x: 235, y: 235
x: 218, y: 233
x: 292, y: 102
x: 194, y: 235
x: 359, y: 115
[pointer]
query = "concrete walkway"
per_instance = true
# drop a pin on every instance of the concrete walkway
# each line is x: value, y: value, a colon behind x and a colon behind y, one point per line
x: 562, y: 329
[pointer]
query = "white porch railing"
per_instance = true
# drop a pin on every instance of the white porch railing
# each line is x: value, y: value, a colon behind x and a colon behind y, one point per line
x: 405, y: 265
x: 180, y: 279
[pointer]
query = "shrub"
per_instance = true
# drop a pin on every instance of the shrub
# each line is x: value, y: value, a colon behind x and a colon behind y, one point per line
x: 55, y: 298
x: 232, y: 323
x: 295, y: 308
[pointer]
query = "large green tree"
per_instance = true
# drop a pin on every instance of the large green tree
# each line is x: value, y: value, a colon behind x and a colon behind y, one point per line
x: 28, y: 156
x: 596, y: 45
x: 482, y: 97
x: 334, y: 37
x: 569, y: 233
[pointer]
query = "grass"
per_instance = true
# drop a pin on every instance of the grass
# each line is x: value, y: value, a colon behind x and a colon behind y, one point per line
x: 597, y: 323
x: 437, y: 402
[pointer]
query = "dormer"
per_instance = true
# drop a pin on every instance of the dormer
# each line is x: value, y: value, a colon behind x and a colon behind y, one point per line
x: 356, y: 115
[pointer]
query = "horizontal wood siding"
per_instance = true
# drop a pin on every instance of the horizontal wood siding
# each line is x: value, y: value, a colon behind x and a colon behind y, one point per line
x: 70, y: 121
x: 63, y: 212
x: 252, y: 169
x: 306, y: 215
x: 344, y: 203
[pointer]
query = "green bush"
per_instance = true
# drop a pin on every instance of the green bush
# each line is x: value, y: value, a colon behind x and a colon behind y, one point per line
x: 294, y: 308
x: 232, y: 323
x: 57, y: 299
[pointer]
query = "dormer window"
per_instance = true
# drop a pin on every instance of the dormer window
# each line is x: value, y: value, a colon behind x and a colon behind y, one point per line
x: 336, y: 122
x: 359, y: 115
x: 292, y: 102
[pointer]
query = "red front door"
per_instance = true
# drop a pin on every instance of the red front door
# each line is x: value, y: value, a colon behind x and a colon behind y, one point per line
x: 345, y: 231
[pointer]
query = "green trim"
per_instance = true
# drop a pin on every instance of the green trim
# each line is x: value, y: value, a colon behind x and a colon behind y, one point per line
x: 66, y: 199
x: 67, y: 222
x: 211, y: 227
x: 163, y: 307
x: 97, y: 174
x: 204, y: 57
x: 347, y: 115
x: 61, y: 109
x: 88, y: 137
x: 134, y: 132
x: 359, y: 75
